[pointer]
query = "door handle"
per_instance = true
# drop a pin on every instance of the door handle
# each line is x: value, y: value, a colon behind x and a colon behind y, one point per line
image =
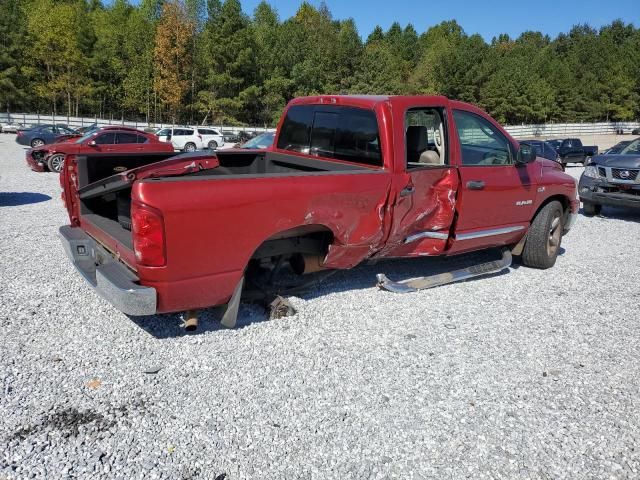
x: 408, y: 190
x: 475, y: 185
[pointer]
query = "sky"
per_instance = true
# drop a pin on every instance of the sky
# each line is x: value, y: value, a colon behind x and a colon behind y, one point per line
x: 489, y: 18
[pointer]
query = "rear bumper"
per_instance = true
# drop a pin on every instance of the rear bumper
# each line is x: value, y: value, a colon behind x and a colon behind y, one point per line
x: 110, y: 278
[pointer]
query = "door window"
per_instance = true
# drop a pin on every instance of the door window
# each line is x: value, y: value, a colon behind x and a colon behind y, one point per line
x: 481, y: 142
x: 106, y: 139
x: 296, y: 129
x: 127, y: 138
x: 323, y: 134
x: 357, y: 138
x: 425, y: 138
x: 341, y: 133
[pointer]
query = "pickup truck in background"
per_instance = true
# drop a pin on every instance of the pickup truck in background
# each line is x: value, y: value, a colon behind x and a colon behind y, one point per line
x: 571, y: 150
x: 348, y: 179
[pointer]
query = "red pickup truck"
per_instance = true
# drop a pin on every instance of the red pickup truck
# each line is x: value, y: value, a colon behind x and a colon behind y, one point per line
x: 110, y: 139
x: 349, y: 178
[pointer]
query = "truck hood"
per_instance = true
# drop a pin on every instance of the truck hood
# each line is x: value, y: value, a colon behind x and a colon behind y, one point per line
x: 619, y: 161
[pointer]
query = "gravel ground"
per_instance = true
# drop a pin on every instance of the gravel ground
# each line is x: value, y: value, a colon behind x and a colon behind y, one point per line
x: 529, y: 374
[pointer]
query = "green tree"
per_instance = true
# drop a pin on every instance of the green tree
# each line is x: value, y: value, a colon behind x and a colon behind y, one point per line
x: 13, y: 35
x: 172, y: 60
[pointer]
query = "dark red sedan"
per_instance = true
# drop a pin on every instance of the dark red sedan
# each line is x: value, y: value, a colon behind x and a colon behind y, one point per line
x: 113, y: 139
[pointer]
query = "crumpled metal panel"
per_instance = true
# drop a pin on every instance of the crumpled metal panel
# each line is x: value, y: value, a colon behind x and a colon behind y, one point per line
x: 431, y: 208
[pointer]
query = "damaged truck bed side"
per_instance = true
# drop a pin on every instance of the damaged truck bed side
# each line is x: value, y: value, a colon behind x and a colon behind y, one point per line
x: 349, y: 178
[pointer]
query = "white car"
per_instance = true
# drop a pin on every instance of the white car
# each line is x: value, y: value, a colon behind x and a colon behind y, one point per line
x: 10, y: 127
x: 186, y: 139
x: 212, y: 139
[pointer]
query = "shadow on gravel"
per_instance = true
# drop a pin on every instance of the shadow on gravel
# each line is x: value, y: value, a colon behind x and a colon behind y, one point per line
x: 171, y: 325
x: 13, y: 199
x: 615, y: 213
x: 361, y: 277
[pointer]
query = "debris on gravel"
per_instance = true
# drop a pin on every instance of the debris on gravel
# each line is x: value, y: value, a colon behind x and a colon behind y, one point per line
x: 525, y: 374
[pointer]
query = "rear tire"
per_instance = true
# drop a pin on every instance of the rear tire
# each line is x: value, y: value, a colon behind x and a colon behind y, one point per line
x: 190, y: 147
x: 56, y: 162
x: 591, y: 209
x: 37, y: 142
x: 544, y: 237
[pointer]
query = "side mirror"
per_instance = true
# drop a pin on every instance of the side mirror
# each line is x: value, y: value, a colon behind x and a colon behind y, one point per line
x: 92, y: 143
x: 526, y: 154
x: 168, y: 137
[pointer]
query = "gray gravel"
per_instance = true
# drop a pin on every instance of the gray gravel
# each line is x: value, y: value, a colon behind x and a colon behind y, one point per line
x: 530, y: 374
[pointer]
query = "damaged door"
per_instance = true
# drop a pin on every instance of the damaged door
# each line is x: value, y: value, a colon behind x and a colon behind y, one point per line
x: 424, y: 205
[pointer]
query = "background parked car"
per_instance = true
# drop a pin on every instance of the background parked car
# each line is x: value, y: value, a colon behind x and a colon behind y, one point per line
x: 186, y: 139
x: 44, y: 134
x: 10, y: 127
x: 544, y: 149
x: 612, y: 179
x: 111, y: 139
x: 87, y: 128
x: 261, y: 142
x: 211, y: 138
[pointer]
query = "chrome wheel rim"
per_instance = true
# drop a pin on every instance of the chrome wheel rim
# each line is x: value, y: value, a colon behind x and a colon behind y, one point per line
x: 38, y: 143
x: 190, y: 148
x: 57, y: 161
x: 555, y: 233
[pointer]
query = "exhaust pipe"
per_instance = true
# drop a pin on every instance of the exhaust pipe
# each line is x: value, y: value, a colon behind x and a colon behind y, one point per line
x: 191, y: 321
x: 305, y: 264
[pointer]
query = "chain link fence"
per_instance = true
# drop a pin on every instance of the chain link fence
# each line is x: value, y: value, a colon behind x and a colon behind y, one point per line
x: 518, y: 131
x: 76, y: 122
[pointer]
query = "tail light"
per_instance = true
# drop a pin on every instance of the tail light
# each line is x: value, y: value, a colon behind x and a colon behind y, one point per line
x: 147, y: 226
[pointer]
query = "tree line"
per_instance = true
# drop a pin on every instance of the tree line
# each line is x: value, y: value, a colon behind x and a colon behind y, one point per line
x: 208, y: 61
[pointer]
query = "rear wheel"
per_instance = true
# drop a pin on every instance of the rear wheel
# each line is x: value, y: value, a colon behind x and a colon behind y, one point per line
x: 591, y: 208
x: 190, y: 147
x: 213, y: 145
x: 56, y: 162
x: 37, y: 142
x: 544, y: 237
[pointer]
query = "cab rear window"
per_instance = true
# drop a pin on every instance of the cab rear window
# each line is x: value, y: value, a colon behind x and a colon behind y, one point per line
x: 341, y: 133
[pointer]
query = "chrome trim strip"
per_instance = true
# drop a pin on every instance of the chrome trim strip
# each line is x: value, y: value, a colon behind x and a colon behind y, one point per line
x: 427, y: 234
x: 488, y: 233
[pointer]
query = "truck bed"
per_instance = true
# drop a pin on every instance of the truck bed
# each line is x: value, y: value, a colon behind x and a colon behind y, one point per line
x: 105, y: 201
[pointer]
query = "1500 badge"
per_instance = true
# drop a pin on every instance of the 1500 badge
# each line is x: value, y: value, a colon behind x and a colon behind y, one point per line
x: 520, y: 203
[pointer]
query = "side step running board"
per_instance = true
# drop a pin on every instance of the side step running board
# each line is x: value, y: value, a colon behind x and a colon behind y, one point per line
x: 423, y: 283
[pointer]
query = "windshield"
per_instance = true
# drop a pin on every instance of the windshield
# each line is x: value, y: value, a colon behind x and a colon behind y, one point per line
x: 632, y: 149
x: 261, y: 141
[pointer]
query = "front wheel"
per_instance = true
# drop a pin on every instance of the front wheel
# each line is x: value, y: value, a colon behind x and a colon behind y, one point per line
x: 213, y: 145
x: 55, y: 163
x: 190, y: 147
x: 591, y: 209
x: 544, y: 238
